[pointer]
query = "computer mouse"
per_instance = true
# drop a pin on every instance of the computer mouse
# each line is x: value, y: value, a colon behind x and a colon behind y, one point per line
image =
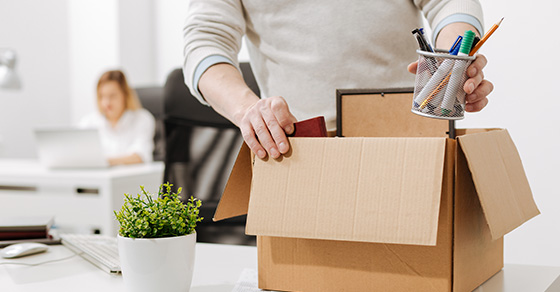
x: 22, y: 249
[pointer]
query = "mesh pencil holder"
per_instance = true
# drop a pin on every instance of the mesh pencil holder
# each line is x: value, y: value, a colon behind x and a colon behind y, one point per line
x: 438, y: 90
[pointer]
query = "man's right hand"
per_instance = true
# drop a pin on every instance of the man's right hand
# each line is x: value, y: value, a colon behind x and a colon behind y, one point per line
x: 264, y: 123
x: 264, y: 126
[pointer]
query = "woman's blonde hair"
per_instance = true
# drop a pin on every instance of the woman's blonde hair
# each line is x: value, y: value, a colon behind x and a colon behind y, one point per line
x: 131, y: 100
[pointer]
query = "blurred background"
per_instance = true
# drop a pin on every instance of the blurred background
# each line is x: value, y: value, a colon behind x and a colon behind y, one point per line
x: 62, y: 47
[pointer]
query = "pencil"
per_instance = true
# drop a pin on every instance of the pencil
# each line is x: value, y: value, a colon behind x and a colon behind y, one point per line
x: 485, y: 37
x: 436, y: 91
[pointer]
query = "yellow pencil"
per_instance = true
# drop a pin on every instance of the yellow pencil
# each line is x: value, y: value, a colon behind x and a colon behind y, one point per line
x: 485, y: 37
x: 436, y: 91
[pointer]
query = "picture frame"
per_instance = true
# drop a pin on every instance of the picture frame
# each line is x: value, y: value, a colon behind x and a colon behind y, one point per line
x: 384, y: 113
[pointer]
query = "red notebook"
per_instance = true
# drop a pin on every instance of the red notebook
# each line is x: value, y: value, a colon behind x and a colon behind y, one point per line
x: 314, y: 127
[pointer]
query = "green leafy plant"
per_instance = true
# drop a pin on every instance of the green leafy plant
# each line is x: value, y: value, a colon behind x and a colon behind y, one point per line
x: 165, y: 216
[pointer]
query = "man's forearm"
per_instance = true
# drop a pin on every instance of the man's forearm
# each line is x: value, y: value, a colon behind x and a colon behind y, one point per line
x: 225, y: 90
x: 448, y: 34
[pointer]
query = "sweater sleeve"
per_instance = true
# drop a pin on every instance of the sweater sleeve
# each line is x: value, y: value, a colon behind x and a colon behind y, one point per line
x: 440, y: 13
x: 212, y: 28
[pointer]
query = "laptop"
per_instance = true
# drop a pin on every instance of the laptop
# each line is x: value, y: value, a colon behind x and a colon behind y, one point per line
x: 70, y: 148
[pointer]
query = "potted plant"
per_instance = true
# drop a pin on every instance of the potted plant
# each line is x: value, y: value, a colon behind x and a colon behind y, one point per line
x: 156, y: 240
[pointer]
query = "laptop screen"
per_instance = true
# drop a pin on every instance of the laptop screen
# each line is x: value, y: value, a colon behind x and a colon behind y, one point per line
x: 70, y: 148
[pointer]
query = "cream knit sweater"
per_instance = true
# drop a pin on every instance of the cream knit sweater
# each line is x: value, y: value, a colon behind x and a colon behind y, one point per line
x: 303, y: 50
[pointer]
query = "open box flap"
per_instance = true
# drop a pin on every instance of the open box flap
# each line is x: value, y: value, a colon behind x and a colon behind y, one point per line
x: 355, y: 189
x: 235, y: 198
x: 500, y: 181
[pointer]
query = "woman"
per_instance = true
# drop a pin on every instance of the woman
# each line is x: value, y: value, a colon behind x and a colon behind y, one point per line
x: 126, y: 129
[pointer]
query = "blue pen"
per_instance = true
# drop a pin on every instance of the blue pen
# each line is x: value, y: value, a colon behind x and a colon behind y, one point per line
x: 456, y: 45
x: 456, y: 50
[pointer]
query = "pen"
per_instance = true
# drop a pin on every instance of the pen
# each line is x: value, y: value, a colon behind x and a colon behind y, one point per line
x: 455, y: 51
x: 456, y: 45
x: 456, y: 75
x: 425, y: 46
x: 476, y: 40
x: 486, y: 37
x: 425, y: 40
x: 421, y: 41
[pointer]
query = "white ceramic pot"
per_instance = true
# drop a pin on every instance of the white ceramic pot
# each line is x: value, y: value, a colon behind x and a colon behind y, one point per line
x: 157, y: 264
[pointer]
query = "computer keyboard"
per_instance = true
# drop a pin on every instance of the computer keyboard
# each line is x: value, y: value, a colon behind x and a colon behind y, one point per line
x: 98, y: 249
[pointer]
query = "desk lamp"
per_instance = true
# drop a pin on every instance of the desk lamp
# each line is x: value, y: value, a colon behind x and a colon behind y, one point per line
x: 8, y: 76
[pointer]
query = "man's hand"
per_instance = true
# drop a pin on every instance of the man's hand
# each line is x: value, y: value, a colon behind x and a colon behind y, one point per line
x: 264, y: 126
x: 264, y: 123
x: 476, y: 87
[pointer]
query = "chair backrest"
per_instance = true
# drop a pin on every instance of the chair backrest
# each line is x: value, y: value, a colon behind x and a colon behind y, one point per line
x: 151, y: 99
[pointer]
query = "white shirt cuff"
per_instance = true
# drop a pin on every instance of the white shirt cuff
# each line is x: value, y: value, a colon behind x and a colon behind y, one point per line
x: 458, y: 17
x: 205, y: 64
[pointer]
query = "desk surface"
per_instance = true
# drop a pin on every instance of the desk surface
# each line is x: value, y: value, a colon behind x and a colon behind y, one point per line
x: 10, y: 168
x: 217, y: 269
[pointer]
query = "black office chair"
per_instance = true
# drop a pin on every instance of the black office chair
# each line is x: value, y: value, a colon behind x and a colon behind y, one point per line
x: 201, y: 149
x: 151, y: 99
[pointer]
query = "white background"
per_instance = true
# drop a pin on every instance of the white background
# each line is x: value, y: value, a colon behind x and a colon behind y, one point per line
x: 63, y: 46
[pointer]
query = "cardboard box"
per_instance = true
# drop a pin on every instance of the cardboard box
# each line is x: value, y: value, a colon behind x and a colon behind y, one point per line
x: 381, y: 213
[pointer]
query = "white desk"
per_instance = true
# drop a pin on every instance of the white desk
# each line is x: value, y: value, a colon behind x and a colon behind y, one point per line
x: 217, y: 269
x: 82, y: 200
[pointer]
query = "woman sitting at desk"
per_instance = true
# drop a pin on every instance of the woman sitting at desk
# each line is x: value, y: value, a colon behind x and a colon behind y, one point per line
x: 126, y: 129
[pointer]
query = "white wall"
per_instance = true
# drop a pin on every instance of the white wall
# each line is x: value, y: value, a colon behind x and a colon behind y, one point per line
x: 170, y: 15
x: 38, y: 32
x: 523, y: 67
x: 137, y: 44
x: 94, y: 40
x: 106, y: 35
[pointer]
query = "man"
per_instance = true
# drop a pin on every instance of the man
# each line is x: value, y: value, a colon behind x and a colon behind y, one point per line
x: 303, y: 50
